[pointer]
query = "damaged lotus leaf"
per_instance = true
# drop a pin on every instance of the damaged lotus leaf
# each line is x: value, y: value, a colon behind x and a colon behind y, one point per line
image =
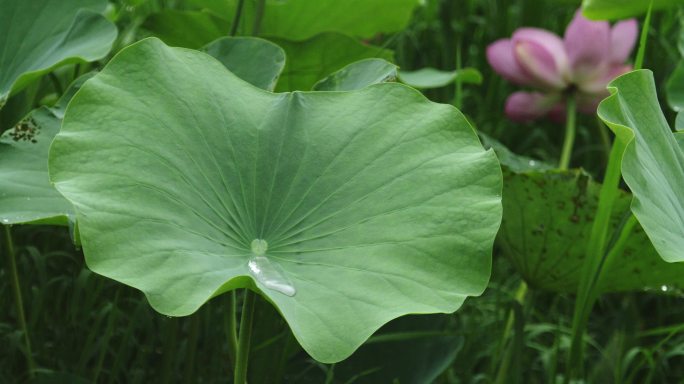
x: 547, y: 222
x: 344, y: 209
x: 26, y: 195
x: 38, y: 35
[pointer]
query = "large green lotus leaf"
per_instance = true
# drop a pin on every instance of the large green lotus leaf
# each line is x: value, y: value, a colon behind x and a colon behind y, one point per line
x: 190, y: 29
x: 425, y: 78
x: 257, y: 61
x: 653, y: 162
x: 547, y: 221
x: 357, y: 75
x: 37, y: 35
x: 620, y: 9
x: 26, y: 194
x: 344, y: 209
x: 311, y: 60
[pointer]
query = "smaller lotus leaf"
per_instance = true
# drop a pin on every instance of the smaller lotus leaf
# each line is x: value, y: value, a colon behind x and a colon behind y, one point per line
x: 357, y: 75
x: 425, y: 78
x: 189, y: 29
x: 256, y: 61
x: 37, y: 35
x: 313, y: 59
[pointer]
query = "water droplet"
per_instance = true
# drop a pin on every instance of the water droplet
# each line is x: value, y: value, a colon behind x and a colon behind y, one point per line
x: 532, y: 163
x: 663, y: 288
x: 270, y: 275
x: 5, y: 221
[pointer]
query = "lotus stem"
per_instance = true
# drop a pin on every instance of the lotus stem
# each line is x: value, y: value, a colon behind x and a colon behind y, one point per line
x: 605, y: 138
x: 56, y: 84
x: 639, y: 62
x: 244, y: 341
x: 18, y: 302
x: 232, y: 326
x: 236, y: 18
x: 569, y: 140
x: 258, y: 17
x: 587, y: 292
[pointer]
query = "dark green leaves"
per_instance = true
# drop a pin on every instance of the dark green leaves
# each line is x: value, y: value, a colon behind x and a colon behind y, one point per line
x: 304, y: 19
x: 190, y: 29
x: 344, y: 209
x: 37, y: 35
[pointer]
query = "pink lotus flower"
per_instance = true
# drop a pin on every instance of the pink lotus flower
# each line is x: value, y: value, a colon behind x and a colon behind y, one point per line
x: 580, y: 65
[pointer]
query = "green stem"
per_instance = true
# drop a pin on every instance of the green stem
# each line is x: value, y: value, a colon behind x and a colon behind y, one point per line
x: 244, y: 342
x: 569, y: 139
x: 192, y: 349
x: 236, y: 18
x: 107, y: 337
x: 620, y: 244
x: 18, y: 302
x: 458, y: 93
x: 504, y: 354
x: 259, y: 15
x: 77, y: 72
x: 232, y: 326
x: 587, y: 292
x: 169, y: 348
x: 639, y: 62
x: 285, y: 353
x: 56, y: 83
x: 605, y: 138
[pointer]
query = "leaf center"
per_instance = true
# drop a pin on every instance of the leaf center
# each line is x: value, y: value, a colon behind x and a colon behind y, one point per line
x: 259, y: 247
